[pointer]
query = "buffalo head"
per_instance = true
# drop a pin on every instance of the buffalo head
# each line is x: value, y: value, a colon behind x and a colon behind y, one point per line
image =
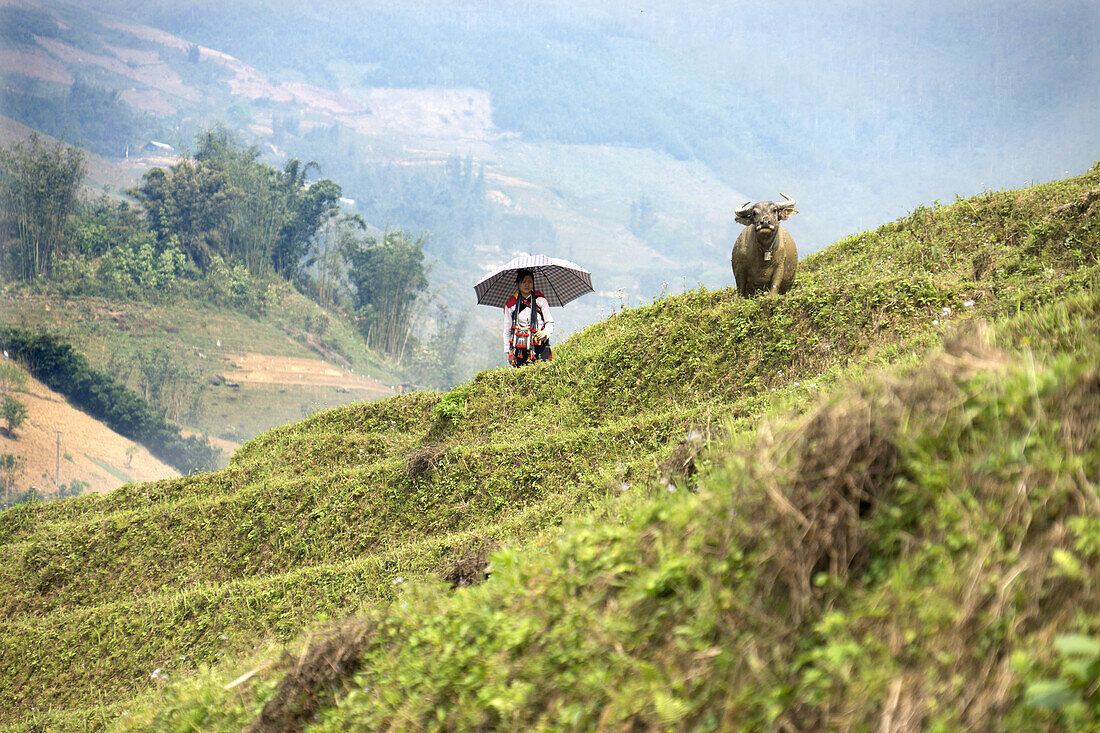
x: 764, y: 218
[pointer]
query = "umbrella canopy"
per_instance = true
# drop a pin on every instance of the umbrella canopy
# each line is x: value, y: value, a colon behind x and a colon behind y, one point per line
x: 560, y: 281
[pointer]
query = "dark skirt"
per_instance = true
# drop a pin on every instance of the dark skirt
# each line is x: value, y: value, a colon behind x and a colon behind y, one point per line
x: 538, y: 353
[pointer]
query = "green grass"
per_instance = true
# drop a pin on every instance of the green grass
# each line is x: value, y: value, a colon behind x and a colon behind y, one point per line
x: 848, y: 505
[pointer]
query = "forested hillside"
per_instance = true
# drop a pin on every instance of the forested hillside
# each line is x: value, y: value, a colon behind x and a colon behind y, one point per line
x: 145, y: 312
x: 871, y: 502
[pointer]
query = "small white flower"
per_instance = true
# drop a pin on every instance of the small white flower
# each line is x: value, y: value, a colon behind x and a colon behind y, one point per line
x: 398, y: 580
x: 936, y: 322
x: 968, y: 304
x: 946, y: 311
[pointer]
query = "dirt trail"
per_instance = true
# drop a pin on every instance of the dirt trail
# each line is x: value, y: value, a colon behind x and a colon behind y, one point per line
x: 268, y: 369
x: 90, y: 451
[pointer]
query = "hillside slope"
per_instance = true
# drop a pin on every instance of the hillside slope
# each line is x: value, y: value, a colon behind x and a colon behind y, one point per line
x: 60, y: 444
x: 781, y: 595
x: 238, y: 374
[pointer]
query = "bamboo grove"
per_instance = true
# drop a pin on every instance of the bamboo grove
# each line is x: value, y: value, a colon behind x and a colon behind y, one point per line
x: 218, y: 223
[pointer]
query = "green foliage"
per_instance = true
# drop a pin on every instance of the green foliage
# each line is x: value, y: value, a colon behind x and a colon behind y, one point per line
x: 439, y: 359
x: 136, y: 269
x: 274, y: 214
x: 450, y: 409
x: 892, y: 534
x: 167, y: 384
x: 93, y: 117
x: 21, y: 25
x: 236, y: 288
x: 13, y: 412
x: 449, y: 200
x: 30, y: 496
x: 190, y: 201
x: 12, y: 378
x: 76, y: 487
x: 388, y: 277
x: 38, y: 194
x: 1072, y: 695
x: 11, y: 467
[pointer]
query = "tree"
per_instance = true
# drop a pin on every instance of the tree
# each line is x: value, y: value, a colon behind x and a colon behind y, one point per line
x: 167, y: 384
x: 256, y: 215
x: 39, y: 184
x: 191, y: 201
x: 76, y: 487
x: 308, y: 208
x: 14, y: 412
x: 438, y: 356
x: 642, y: 216
x: 11, y: 466
x: 277, y: 213
x: 337, y: 233
x: 388, y: 278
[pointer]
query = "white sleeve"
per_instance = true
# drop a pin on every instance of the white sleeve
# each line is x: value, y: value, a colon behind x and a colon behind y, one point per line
x: 547, y: 316
x: 508, y: 329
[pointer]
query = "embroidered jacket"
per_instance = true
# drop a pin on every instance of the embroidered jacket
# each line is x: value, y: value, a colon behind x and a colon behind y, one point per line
x: 545, y: 321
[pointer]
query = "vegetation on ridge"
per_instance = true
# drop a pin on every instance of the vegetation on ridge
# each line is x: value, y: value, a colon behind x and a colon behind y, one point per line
x: 901, y: 555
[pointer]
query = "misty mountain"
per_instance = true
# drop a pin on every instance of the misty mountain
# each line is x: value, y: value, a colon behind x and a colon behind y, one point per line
x: 901, y: 103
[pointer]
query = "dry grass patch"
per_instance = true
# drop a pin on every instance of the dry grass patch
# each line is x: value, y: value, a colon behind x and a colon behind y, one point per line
x: 314, y: 678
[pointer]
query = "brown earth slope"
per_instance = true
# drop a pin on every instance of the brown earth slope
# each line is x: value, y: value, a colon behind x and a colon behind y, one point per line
x: 89, y: 450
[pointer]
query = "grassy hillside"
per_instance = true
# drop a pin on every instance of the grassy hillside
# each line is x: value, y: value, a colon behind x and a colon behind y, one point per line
x: 203, y: 341
x: 845, y: 508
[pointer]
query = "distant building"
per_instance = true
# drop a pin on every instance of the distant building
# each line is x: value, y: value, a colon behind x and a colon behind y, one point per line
x: 157, y: 147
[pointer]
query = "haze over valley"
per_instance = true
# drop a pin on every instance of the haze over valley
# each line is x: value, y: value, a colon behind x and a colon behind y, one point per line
x: 617, y: 134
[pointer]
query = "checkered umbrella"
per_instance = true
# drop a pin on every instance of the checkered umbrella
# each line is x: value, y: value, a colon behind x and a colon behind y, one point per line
x: 559, y: 280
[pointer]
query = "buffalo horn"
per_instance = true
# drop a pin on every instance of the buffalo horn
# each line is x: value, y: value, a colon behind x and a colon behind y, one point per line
x: 744, y: 210
x: 788, y: 204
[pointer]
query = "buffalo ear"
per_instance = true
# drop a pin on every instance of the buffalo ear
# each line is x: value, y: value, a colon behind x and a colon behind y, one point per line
x: 785, y: 214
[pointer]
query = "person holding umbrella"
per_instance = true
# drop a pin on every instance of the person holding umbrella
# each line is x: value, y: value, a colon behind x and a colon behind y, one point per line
x: 527, y: 322
x: 518, y: 287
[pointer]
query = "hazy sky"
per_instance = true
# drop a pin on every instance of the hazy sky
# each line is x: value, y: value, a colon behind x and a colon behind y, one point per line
x: 861, y: 110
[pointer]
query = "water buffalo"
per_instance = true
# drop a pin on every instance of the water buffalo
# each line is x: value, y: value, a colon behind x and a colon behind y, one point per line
x: 764, y: 257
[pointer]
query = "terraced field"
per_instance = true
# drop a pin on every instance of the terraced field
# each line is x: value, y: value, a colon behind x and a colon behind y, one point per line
x: 638, y: 507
